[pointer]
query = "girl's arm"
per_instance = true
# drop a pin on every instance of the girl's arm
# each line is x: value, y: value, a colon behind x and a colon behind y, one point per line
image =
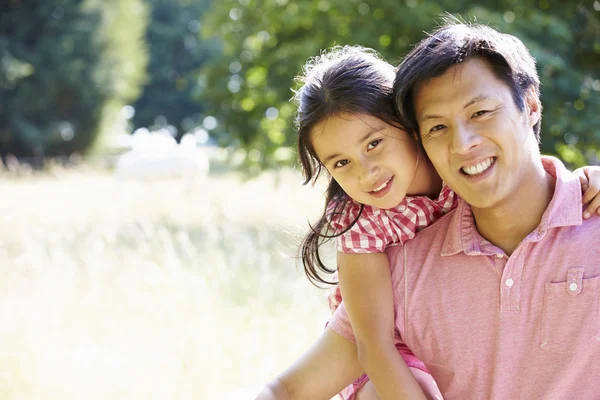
x: 590, y: 186
x: 324, y: 370
x: 365, y: 282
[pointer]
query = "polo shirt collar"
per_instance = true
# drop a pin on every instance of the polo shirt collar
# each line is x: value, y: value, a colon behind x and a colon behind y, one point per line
x: 564, y: 210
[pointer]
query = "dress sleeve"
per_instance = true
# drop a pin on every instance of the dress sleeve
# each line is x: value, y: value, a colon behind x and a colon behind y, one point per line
x: 359, y: 232
x: 340, y: 323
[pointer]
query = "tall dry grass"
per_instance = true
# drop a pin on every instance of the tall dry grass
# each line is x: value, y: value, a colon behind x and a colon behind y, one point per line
x: 131, y: 290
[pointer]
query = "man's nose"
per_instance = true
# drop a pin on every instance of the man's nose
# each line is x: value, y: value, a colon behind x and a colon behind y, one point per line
x: 464, y: 138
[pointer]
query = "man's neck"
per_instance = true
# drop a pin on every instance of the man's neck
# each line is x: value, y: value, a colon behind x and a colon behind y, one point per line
x: 505, y: 225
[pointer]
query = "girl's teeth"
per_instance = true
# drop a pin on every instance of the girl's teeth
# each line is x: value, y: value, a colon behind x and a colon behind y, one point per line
x: 479, y: 168
x: 382, y: 186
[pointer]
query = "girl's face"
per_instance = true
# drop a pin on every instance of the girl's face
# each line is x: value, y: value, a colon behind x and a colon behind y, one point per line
x: 372, y: 161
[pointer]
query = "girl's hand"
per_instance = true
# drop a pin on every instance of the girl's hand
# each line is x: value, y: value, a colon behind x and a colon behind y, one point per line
x: 590, y: 187
x: 274, y: 391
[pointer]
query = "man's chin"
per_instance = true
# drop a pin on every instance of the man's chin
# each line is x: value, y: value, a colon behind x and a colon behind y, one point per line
x: 484, y: 202
x: 480, y: 198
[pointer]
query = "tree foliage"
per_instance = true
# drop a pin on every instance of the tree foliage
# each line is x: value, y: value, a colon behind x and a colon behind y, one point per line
x: 176, y: 54
x: 64, y: 65
x: 266, y: 42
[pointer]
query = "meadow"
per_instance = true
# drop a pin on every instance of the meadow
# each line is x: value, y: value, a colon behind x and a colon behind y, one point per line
x: 116, y: 289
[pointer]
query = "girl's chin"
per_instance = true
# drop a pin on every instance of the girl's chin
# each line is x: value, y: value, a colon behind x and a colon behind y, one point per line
x: 390, y: 200
x: 386, y: 205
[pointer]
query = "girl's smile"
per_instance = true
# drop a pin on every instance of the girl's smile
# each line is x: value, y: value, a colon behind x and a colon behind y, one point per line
x: 383, y: 189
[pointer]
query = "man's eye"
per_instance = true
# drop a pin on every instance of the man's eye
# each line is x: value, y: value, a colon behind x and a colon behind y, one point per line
x: 480, y: 113
x: 374, y: 144
x: 437, y: 128
x: 340, y: 163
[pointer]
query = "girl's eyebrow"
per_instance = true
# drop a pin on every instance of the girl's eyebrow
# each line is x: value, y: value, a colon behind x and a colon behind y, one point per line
x: 361, y: 140
x: 330, y: 157
x: 370, y: 133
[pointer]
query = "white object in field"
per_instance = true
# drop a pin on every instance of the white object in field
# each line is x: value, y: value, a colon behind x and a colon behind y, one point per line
x: 158, y: 156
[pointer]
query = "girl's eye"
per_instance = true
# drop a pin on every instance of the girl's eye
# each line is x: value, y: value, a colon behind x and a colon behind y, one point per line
x: 374, y: 144
x: 340, y: 163
x: 480, y: 113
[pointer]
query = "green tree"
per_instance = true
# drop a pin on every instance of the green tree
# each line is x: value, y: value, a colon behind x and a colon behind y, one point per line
x: 66, y: 66
x: 176, y: 54
x: 265, y: 43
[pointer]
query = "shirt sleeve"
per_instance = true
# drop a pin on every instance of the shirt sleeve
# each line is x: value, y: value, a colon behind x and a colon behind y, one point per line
x: 340, y: 323
x: 359, y: 232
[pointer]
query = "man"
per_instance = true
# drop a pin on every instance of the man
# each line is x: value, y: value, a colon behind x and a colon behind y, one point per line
x: 500, y: 298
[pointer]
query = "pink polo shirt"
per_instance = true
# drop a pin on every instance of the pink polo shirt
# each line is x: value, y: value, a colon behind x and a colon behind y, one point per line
x: 489, y: 326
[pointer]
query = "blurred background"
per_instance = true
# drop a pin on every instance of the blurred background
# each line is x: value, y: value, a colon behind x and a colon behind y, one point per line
x: 152, y: 208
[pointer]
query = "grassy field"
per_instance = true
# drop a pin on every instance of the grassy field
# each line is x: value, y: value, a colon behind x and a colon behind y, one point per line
x: 132, y: 290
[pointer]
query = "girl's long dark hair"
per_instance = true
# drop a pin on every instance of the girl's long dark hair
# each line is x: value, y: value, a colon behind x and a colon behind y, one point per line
x: 349, y: 79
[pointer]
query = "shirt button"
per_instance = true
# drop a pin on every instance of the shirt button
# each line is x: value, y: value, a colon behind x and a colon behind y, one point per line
x: 509, y: 282
x: 499, y: 255
x: 402, y: 208
x: 573, y: 287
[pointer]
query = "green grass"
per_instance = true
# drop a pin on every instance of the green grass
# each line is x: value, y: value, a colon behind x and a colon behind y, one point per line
x: 130, y: 290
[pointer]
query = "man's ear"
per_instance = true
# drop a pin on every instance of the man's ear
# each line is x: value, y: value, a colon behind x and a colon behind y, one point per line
x: 533, y: 106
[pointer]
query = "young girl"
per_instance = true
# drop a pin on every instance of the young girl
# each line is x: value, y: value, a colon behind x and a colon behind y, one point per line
x: 382, y: 190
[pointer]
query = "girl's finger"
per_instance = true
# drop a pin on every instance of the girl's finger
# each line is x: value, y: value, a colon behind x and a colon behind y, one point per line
x: 583, y: 179
x: 593, y: 184
x: 593, y: 207
x: 590, y: 194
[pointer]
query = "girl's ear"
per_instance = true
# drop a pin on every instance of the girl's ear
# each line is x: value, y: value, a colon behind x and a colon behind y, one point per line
x: 533, y: 107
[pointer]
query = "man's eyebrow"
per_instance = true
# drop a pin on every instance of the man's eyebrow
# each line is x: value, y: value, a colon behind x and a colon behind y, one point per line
x: 365, y: 137
x: 474, y: 100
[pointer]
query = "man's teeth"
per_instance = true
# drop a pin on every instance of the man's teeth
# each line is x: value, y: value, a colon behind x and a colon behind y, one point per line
x: 381, y: 187
x: 479, y: 168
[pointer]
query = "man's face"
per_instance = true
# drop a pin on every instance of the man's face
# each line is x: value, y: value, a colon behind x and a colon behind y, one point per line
x: 482, y: 146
